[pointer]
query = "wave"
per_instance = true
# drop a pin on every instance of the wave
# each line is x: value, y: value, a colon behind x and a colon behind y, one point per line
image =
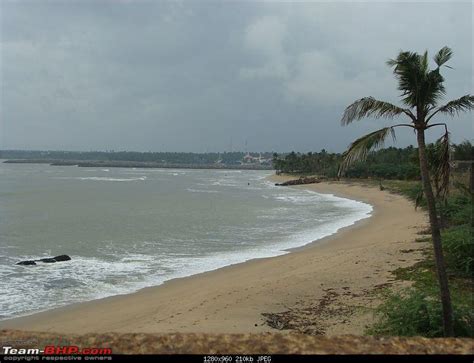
x: 100, y: 178
x: 201, y: 191
x: 298, y: 199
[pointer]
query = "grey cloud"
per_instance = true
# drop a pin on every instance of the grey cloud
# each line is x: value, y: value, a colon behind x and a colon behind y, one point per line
x: 192, y: 76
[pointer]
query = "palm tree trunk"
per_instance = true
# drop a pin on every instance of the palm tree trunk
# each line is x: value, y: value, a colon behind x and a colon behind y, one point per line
x: 471, y: 187
x: 436, y: 237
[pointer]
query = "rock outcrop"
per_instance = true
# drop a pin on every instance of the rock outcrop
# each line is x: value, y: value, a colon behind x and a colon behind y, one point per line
x: 26, y: 263
x: 45, y: 260
x: 62, y: 258
x: 302, y: 180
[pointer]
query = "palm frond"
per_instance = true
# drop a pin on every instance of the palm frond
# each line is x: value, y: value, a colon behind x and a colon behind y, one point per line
x: 443, y: 167
x: 407, y: 68
x: 370, y: 107
x: 402, y: 58
x: 420, y: 87
x: 424, y: 63
x: 432, y: 89
x: 454, y: 107
x: 443, y: 55
x: 360, y: 148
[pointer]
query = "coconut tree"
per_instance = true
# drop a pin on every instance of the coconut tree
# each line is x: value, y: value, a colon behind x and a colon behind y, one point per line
x: 421, y: 91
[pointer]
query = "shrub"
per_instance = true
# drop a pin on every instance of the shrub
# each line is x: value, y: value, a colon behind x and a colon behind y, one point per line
x: 415, y: 312
x: 458, y: 246
x: 458, y: 209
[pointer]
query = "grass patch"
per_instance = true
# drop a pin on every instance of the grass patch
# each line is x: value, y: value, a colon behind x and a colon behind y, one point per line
x: 410, y: 189
x: 458, y: 245
x: 421, y: 273
x: 416, y: 312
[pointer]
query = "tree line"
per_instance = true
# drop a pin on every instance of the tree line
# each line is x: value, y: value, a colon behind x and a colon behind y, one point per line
x: 388, y: 163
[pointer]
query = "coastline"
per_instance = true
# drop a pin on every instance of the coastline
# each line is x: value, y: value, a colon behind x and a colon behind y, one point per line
x: 338, y: 275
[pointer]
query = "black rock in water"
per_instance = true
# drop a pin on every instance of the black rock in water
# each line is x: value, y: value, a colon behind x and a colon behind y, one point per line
x: 62, y: 258
x: 46, y: 260
x: 30, y: 262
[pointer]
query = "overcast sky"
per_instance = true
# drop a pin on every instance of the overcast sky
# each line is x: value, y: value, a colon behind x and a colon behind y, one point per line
x: 211, y: 76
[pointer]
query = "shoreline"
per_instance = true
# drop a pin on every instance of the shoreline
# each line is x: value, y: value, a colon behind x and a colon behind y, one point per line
x: 237, y: 295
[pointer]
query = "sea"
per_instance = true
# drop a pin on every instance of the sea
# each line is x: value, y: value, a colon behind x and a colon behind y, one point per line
x: 126, y: 229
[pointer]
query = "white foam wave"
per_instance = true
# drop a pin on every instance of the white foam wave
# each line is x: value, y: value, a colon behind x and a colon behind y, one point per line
x: 298, y: 199
x: 192, y: 190
x: 100, y: 178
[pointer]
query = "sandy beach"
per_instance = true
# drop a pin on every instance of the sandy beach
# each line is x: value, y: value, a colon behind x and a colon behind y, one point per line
x: 327, y: 287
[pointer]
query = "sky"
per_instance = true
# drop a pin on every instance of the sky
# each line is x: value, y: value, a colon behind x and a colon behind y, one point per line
x: 207, y: 76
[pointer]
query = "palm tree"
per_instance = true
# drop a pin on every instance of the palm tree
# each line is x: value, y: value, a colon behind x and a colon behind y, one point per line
x: 421, y: 90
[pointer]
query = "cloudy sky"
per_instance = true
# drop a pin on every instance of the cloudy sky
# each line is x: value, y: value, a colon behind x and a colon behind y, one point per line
x: 213, y: 75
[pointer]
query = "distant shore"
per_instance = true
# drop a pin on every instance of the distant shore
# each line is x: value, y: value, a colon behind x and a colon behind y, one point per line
x: 326, y: 287
x: 136, y: 164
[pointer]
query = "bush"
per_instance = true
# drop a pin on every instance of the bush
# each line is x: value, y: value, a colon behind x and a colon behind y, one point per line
x: 458, y: 210
x: 412, y: 190
x: 416, y: 312
x: 458, y: 246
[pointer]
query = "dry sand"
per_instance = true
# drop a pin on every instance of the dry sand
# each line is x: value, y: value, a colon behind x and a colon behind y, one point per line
x: 327, y: 287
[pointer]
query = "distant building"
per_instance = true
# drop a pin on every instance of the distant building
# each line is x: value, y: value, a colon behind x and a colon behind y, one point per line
x: 255, y: 160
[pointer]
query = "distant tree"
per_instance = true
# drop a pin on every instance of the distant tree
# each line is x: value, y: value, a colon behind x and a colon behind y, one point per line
x: 421, y: 90
x: 463, y: 151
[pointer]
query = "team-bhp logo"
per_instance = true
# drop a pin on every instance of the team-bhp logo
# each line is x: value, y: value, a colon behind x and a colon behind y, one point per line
x: 72, y: 349
x: 56, y: 350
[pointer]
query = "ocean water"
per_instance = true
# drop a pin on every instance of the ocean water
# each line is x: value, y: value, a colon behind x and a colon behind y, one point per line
x: 127, y: 229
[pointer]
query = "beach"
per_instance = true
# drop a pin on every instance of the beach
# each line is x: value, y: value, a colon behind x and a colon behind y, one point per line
x: 327, y: 287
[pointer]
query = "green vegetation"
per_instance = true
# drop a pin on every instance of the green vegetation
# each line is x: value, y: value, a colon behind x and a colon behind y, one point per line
x: 417, y: 310
x: 463, y: 151
x: 459, y: 246
x: 390, y: 163
x: 321, y: 163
